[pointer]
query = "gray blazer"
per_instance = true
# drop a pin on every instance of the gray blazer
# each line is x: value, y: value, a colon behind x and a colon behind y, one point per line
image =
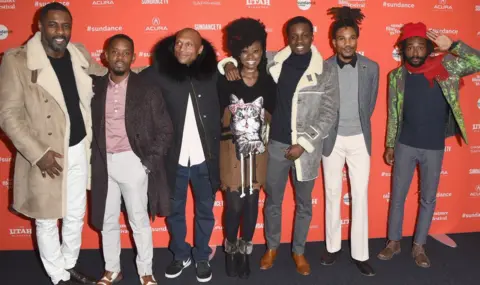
x: 367, y: 97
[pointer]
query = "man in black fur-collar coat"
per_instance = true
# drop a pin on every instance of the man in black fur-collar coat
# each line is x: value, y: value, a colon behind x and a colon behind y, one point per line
x: 184, y: 67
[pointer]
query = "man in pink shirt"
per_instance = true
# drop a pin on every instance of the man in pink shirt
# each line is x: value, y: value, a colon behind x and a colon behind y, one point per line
x: 131, y: 134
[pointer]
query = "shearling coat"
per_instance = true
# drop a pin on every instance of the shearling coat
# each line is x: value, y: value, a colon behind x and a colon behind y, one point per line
x: 34, y: 116
x: 150, y: 134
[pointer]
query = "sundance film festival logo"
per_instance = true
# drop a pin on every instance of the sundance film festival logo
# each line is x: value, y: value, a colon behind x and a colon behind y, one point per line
x: 7, y: 183
x: 476, y: 193
x: 476, y: 128
x: 7, y: 4
x: 43, y: 3
x: 207, y: 27
x: 443, y: 5
x: 474, y: 171
x: 477, y: 8
x: 398, y: 5
x: 258, y: 3
x: 386, y: 174
x: 345, y: 222
x: 444, y: 172
x: 104, y: 28
x: 471, y: 215
x: 475, y: 149
x: 476, y: 80
x: 97, y: 54
x: 353, y: 3
x: 154, y: 2
x: 20, y: 232
x: 4, y: 32
x: 259, y: 225
x: 304, y: 5
x: 103, y: 3
x: 448, y: 148
x: 218, y: 203
x: 394, y: 29
x: 144, y: 54
x: 156, y: 26
x: 440, y: 216
x: 211, y: 3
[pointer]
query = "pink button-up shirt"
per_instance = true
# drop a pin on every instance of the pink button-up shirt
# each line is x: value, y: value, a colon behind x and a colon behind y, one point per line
x: 115, y: 130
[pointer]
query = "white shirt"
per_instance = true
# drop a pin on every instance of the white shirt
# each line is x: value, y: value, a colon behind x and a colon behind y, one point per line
x: 191, y: 144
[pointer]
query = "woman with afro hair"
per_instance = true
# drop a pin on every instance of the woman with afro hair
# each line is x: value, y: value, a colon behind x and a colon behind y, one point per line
x: 245, y: 40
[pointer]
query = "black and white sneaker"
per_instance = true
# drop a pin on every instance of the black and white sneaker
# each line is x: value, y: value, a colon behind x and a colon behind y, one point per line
x: 204, y: 272
x: 176, y: 267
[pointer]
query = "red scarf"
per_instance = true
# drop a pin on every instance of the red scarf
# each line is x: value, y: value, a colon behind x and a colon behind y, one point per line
x: 432, y: 69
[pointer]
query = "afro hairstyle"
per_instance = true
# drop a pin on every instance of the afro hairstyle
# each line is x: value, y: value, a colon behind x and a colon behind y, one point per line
x: 242, y: 33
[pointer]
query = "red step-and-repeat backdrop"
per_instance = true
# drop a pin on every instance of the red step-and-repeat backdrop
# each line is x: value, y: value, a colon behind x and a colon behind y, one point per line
x: 146, y: 21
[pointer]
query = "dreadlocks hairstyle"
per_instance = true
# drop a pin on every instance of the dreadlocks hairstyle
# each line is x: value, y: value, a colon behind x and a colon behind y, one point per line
x: 345, y: 17
x: 242, y: 33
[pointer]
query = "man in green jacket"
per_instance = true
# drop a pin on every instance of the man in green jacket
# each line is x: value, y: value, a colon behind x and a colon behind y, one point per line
x: 423, y: 109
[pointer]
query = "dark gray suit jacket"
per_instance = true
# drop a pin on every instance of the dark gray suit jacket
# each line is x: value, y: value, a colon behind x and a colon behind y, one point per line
x: 367, y: 97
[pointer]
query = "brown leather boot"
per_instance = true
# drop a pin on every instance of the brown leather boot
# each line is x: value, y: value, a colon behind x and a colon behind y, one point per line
x: 267, y: 259
x: 392, y: 248
x: 419, y: 255
x: 301, y: 263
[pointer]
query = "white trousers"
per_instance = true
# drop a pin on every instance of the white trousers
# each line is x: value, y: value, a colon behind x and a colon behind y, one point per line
x: 127, y: 178
x: 56, y: 257
x: 353, y: 151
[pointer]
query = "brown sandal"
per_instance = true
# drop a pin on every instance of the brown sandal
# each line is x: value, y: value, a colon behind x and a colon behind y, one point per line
x: 110, y: 278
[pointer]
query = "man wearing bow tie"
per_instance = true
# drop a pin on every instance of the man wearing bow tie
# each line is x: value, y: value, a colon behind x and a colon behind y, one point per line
x: 350, y: 139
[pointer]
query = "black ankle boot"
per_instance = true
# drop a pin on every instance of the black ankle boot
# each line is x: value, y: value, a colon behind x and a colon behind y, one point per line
x: 244, y: 250
x: 231, y: 250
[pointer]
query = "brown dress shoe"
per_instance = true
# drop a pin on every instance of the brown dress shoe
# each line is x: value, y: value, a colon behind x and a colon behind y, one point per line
x: 110, y: 278
x: 267, y: 259
x: 392, y: 248
x: 420, y: 257
x: 302, y: 264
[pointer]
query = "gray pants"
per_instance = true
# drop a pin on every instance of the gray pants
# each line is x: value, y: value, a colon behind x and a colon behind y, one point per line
x: 430, y: 163
x: 278, y: 168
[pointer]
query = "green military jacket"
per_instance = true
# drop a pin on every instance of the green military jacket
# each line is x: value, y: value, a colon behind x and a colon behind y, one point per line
x: 463, y: 61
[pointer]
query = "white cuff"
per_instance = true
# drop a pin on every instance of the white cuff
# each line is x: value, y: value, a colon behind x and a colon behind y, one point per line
x: 221, y: 64
x: 34, y: 163
x: 305, y: 144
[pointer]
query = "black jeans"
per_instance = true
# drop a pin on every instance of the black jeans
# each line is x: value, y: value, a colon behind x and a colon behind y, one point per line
x: 240, y: 209
x: 204, y: 219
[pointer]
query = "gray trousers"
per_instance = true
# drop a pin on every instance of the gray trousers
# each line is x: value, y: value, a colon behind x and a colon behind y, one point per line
x: 430, y: 163
x: 278, y: 168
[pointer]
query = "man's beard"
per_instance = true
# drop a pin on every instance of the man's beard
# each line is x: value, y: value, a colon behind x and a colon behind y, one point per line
x: 420, y: 63
x: 55, y: 47
x: 119, y: 72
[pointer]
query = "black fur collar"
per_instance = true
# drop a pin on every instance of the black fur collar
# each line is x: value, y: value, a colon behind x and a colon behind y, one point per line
x: 165, y: 62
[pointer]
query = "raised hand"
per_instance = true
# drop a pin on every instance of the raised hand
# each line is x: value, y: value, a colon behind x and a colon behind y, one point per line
x: 442, y: 41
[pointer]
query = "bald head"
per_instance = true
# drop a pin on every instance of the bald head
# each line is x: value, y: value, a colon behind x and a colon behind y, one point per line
x: 188, y: 45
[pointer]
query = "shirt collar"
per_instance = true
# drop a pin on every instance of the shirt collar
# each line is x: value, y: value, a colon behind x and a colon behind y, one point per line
x: 122, y: 84
x: 352, y: 62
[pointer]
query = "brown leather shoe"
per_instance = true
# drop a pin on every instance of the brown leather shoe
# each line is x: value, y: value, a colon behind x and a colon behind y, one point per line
x: 267, y: 259
x: 110, y: 278
x: 302, y: 264
x: 392, y: 248
x: 421, y: 258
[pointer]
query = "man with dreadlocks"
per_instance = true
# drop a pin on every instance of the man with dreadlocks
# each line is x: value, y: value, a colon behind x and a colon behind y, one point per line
x: 350, y: 140
x: 246, y: 41
x: 423, y: 109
